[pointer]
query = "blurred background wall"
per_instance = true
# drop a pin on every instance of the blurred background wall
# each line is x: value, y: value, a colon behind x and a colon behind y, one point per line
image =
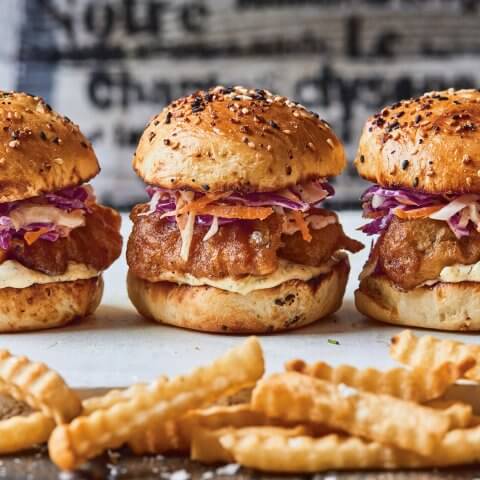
x: 111, y: 64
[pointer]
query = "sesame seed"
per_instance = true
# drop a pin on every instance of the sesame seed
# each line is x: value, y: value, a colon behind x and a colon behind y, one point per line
x: 269, y: 148
x: 58, y: 161
x: 14, y: 144
x: 287, y: 131
x: 311, y: 146
x: 330, y: 143
x: 251, y: 144
x: 245, y: 110
x: 216, y: 130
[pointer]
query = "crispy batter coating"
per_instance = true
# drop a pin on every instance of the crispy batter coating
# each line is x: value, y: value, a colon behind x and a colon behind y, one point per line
x: 324, y: 244
x: 411, y: 252
x: 238, y: 248
x: 97, y: 244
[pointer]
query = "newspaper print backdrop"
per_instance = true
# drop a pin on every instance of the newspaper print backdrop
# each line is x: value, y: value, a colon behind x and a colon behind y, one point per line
x: 111, y: 64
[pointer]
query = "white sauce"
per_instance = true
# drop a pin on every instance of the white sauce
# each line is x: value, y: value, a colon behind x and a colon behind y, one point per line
x: 286, y: 271
x: 460, y: 273
x: 15, y: 275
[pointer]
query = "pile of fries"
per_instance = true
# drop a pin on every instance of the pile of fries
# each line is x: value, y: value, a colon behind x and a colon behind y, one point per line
x: 310, y: 418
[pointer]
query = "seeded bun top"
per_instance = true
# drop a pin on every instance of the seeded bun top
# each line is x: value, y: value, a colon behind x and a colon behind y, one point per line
x: 40, y: 151
x: 430, y: 143
x: 236, y: 139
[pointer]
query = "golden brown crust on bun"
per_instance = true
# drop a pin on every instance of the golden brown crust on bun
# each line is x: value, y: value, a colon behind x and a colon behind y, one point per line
x: 49, y: 305
x: 236, y: 139
x: 430, y: 143
x: 444, y: 306
x: 40, y: 151
x: 290, y: 305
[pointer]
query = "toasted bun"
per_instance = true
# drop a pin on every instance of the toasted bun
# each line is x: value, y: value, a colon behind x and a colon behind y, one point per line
x: 444, y: 306
x: 291, y: 305
x: 40, y: 151
x: 431, y: 143
x: 49, y: 305
x: 236, y: 139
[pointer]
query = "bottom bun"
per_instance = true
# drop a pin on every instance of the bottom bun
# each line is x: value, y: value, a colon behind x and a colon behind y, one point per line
x: 48, y: 305
x: 443, y: 306
x: 292, y: 304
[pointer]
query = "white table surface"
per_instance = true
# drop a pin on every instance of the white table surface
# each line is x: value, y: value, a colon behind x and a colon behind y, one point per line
x: 116, y: 346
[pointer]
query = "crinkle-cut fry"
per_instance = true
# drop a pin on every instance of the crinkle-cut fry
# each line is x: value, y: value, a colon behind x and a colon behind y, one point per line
x: 165, y: 438
x: 296, y: 397
x: 87, y: 436
x: 40, y: 385
x: 460, y: 414
x: 287, y: 452
x: 207, y: 447
x: 269, y: 452
x: 416, y: 351
x: 177, y: 435
x: 417, y: 385
x: 102, y: 402
x: 23, y: 432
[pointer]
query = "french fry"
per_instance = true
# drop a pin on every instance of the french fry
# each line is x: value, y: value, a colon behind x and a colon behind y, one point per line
x: 417, y: 385
x: 22, y: 432
x: 87, y: 436
x: 207, y: 446
x: 38, y: 386
x: 460, y: 414
x: 274, y: 451
x: 177, y: 436
x: 287, y: 452
x: 296, y: 397
x: 416, y: 351
x: 103, y: 402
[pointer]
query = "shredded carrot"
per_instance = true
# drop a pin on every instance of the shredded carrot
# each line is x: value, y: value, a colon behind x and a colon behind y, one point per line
x: 235, y: 211
x: 417, y: 213
x: 32, y: 237
x: 196, y: 205
x: 302, y: 225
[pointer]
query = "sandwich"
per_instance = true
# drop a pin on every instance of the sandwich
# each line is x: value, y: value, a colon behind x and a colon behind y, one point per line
x: 234, y: 238
x: 55, y: 240
x: 423, y: 155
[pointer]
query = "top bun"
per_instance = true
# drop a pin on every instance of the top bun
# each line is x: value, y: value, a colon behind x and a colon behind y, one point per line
x: 40, y: 151
x: 430, y: 143
x: 236, y: 139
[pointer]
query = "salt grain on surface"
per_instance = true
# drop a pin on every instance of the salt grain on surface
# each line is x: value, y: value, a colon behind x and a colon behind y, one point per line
x: 230, y: 469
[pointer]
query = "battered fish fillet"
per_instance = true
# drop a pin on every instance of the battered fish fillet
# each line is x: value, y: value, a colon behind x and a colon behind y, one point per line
x: 238, y: 249
x: 97, y: 244
x: 325, y: 242
x: 410, y: 252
